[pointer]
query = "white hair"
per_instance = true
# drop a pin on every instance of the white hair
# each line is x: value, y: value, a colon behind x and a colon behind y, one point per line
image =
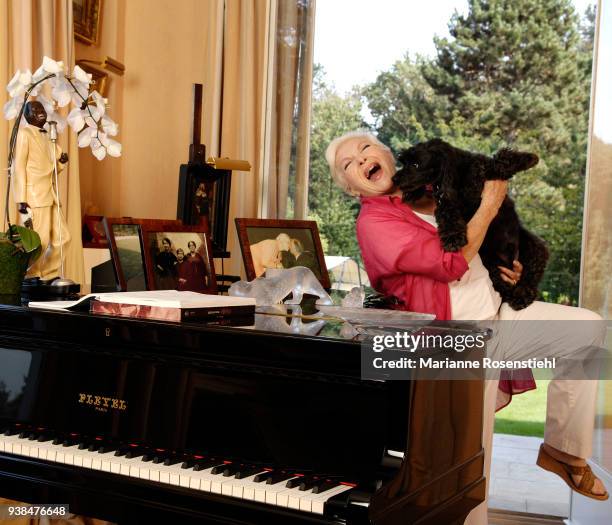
x: 332, y: 149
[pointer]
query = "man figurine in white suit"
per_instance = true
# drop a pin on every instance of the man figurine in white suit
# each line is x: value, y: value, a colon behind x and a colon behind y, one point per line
x: 33, y: 188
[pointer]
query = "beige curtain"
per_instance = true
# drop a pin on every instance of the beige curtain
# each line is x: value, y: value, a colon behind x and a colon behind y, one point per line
x: 32, y: 29
x: 290, y: 55
x: 241, y: 132
x: 266, y: 82
x: 4, y: 124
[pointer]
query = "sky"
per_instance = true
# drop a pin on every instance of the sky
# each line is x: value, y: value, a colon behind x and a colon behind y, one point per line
x: 357, y: 39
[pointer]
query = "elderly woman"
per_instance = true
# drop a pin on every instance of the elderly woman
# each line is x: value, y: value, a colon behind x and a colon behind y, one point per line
x: 403, y: 258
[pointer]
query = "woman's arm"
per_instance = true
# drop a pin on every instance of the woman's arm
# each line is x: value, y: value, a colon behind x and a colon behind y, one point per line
x: 493, y: 195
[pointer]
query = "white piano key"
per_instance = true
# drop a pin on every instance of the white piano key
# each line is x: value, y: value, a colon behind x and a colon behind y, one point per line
x: 295, y: 497
x: 234, y: 487
x: 268, y: 493
x: 7, y: 443
x: 318, y: 504
x: 98, y: 459
x: 69, y: 454
x: 126, y: 464
x: 204, y: 480
x: 169, y: 474
x: 240, y: 486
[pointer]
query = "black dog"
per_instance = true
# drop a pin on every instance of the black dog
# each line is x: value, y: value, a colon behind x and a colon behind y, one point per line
x: 457, y: 178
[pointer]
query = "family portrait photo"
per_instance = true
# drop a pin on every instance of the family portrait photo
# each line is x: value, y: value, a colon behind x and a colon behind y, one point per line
x: 179, y: 261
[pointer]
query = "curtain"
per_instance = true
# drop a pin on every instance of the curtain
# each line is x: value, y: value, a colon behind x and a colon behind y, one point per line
x: 288, y: 108
x: 4, y: 124
x: 31, y: 29
x: 241, y: 131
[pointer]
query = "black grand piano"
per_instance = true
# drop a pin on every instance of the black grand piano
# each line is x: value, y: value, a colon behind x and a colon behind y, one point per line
x: 136, y: 421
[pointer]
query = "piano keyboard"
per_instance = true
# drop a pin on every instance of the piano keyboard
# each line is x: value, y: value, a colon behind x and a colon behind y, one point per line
x: 293, y: 490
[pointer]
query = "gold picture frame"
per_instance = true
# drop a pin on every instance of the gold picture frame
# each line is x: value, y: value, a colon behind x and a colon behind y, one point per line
x: 86, y: 16
x: 98, y: 75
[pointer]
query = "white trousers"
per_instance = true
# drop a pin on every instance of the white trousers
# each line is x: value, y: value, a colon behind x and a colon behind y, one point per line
x: 45, y: 223
x: 570, y: 408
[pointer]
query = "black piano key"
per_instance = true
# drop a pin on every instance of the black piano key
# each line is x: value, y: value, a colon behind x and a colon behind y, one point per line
x: 295, y: 482
x: 122, y: 450
x: 108, y: 446
x: 279, y: 476
x: 158, y: 455
x: 246, y: 471
x: 14, y: 429
x: 173, y: 459
x: 220, y: 469
x: 231, y: 469
x: 84, y: 444
x: 135, y: 452
x: 263, y: 476
x: 206, y: 463
x: 71, y: 439
x: 308, y: 482
x: 324, y: 485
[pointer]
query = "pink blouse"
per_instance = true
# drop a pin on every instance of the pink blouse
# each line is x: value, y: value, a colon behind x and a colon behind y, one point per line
x: 403, y: 257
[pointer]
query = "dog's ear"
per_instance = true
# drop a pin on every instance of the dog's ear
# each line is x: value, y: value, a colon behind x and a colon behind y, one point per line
x: 448, y: 177
x: 408, y: 156
x: 507, y: 162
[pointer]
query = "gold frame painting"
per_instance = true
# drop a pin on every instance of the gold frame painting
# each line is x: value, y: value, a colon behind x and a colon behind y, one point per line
x: 86, y: 16
x: 98, y: 75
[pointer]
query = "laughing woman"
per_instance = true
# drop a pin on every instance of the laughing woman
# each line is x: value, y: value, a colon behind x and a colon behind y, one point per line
x: 403, y: 257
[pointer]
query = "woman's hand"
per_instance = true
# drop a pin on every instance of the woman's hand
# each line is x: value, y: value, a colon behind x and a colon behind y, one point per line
x: 493, y: 194
x: 511, y: 276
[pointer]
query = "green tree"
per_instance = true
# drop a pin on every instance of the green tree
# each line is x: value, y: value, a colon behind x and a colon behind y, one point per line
x: 335, y: 212
x: 517, y: 73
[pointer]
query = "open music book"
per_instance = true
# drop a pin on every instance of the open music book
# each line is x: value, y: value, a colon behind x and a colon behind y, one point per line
x: 168, y: 300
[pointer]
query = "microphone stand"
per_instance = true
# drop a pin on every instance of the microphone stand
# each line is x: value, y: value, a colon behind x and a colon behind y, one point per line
x: 61, y: 280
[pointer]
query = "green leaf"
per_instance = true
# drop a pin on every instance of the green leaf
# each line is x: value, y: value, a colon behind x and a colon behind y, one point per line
x: 27, y: 239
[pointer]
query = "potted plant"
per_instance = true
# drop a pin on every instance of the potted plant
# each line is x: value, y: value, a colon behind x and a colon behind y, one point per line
x: 19, y: 247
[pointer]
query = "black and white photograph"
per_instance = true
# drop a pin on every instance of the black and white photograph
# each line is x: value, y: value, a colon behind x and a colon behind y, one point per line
x: 179, y: 260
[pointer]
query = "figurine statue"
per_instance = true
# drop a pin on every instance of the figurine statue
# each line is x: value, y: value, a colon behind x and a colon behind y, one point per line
x: 278, y: 284
x: 296, y: 325
x: 33, y: 189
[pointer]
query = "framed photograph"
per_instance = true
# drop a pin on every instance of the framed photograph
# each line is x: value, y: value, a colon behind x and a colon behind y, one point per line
x: 98, y: 75
x: 204, y: 196
x: 126, y: 245
x: 86, y: 16
x: 269, y: 243
x: 93, y: 234
x: 179, y: 258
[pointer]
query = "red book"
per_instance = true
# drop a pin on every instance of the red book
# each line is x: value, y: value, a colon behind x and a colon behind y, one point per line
x: 164, y: 305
